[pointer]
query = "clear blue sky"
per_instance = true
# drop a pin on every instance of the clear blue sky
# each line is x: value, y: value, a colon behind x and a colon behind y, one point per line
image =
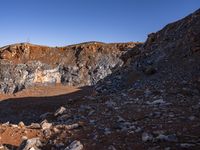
x: 63, y: 22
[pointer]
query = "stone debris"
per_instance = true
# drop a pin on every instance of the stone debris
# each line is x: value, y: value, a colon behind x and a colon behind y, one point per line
x: 60, y: 111
x: 34, y: 126
x: 73, y: 126
x: 45, y: 125
x: 168, y: 138
x: 21, y: 124
x: 146, y: 137
x: 186, y: 145
x: 2, y: 147
x: 157, y: 102
x: 31, y: 144
x: 45, y: 115
x: 75, y: 145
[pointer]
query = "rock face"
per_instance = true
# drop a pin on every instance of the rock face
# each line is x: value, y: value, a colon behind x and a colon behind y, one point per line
x: 169, y: 56
x: 24, y: 65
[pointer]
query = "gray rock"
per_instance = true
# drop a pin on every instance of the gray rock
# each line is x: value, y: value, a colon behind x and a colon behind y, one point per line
x: 31, y: 144
x: 75, y: 145
x: 191, y: 118
x: 150, y: 70
x: 64, y: 117
x: 167, y: 138
x: 186, y: 145
x: 21, y: 124
x: 45, y: 115
x: 73, y: 126
x: 111, y: 147
x: 146, y: 137
x: 60, y: 111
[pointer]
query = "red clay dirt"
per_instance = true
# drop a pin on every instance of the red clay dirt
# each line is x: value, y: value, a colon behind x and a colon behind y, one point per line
x: 41, y: 91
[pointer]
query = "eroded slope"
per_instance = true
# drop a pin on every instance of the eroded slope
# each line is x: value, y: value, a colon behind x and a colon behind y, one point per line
x: 24, y: 65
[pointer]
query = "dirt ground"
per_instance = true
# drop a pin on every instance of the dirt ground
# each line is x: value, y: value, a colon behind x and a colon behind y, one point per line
x: 41, y: 91
x: 37, y: 98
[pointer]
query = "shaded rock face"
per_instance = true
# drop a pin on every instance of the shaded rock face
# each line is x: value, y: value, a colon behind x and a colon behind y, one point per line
x: 168, y: 57
x: 24, y: 65
x: 180, y: 39
x: 174, y: 51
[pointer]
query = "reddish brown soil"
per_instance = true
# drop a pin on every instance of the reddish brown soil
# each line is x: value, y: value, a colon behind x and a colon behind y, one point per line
x: 36, y: 97
x: 14, y: 135
x: 84, y: 52
x: 41, y: 91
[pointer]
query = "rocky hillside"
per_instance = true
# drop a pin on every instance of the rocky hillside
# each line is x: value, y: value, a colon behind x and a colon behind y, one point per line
x: 24, y: 64
x: 168, y: 57
x: 148, y: 99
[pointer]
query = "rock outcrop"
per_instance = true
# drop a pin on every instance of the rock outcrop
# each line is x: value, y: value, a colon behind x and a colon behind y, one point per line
x: 169, y: 56
x: 24, y: 65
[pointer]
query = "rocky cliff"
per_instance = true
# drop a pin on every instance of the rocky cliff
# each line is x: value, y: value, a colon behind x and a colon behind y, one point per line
x: 25, y: 64
x: 170, y: 56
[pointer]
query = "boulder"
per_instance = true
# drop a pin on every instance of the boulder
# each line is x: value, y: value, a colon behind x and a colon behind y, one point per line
x: 31, y: 144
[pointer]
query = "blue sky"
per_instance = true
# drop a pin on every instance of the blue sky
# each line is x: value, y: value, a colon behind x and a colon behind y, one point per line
x: 64, y: 22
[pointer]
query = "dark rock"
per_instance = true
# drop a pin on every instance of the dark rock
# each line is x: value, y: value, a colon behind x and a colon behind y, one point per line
x: 150, y: 70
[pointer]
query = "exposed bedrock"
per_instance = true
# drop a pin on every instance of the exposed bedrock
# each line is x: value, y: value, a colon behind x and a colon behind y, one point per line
x: 24, y: 64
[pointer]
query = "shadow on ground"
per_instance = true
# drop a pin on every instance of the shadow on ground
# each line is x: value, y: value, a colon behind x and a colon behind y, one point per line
x: 29, y: 109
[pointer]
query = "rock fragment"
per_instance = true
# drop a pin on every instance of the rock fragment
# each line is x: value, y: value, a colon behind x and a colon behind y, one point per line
x: 167, y: 138
x: 45, y: 125
x: 34, y: 126
x: 60, y: 111
x: 75, y: 145
x: 31, y: 144
x: 147, y: 137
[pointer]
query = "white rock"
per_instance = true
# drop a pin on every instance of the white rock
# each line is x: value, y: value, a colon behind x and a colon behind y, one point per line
x: 46, y: 125
x: 3, y: 147
x: 14, y: 126
x: 21, y: 124
x: 72, y: 126
x: 35, y: 126
x: 60, y: 111
x: 159, y: 101
x: 75, y: 145
x: 31, y: 144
